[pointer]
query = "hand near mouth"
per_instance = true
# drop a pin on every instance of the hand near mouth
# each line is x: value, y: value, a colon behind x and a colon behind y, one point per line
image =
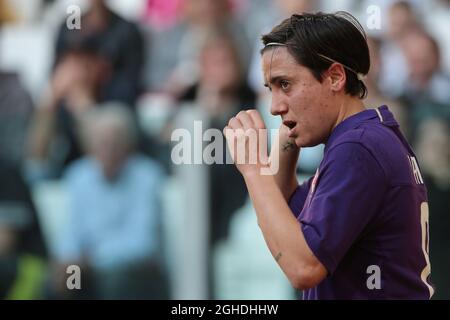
x: 286, y: 142
x: 246, y: 136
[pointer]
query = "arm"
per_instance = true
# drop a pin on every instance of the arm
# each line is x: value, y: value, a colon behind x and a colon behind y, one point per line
x: 281, y: 231
x: 287, y: 152
x: 70, y: 83
x: 42, y: 130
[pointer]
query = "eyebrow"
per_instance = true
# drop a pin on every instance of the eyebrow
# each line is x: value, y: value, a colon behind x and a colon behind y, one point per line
x: 273, y: 80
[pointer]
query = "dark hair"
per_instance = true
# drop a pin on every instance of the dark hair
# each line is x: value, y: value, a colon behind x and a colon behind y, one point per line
x: 338, y: 36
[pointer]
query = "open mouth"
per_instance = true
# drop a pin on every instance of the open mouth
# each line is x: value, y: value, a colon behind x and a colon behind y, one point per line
x: 289, y: 123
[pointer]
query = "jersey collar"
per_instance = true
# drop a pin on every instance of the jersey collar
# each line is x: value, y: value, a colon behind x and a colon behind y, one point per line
x: 379, y: 115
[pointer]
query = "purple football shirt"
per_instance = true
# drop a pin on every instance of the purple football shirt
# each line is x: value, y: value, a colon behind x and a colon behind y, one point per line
x: 365, y: 213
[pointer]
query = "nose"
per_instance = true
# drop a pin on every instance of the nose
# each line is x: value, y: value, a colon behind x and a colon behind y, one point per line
x: 278, y: 106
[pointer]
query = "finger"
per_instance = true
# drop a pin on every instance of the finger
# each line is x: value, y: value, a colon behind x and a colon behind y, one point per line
x: 235, y: 123
x: 227, y: 131
x: 233, y: 134
x: 231, y: 142
x: 234, y: 130
x: 246, y: 120
x: 256, y: 118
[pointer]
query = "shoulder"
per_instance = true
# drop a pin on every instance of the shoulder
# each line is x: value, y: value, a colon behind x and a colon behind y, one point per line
x: 80, y: 166
x: 350, y: 151
x: 127, y: 27
x: 356, y: 141
x: 356, y: 151
x: 370, y: 135
x: 381, y: 148
x: 380, y: 140
x: 145, y: 174
x: 145, y: 167
x: 81, y: 171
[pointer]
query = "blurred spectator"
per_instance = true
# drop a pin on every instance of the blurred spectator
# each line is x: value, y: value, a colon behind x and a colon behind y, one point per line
x: 16, y: 110
x: 433, y: 146
x: 426, y: 78
x: 117, y: 42
x: 428, y: 88
x: 22, y: 247
x: 221, y: 92
x: 433, y: 149
x: 427, y: 95
x: 16, y: 107
x: 402, y: 18
x: 73, y: 90
x: 162, y: 14
x: 7, y: 14
x: 375, y: 97
x: 436, y: 20
x: 181, y: 44
x: 113, y: 231
x: 221, y: 89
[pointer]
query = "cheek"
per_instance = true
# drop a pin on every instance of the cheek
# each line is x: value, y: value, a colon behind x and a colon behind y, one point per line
x: 308, y: 105
x: 310, y: 91
x: 312, y: 118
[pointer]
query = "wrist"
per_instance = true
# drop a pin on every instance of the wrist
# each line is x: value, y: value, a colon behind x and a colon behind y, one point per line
x: 255, y: 173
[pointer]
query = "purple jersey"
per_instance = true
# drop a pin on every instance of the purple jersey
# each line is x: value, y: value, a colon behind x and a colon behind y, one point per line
x: 365, y: 213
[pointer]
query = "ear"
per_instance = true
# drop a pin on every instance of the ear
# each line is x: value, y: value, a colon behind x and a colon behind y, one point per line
x: 336, y: 75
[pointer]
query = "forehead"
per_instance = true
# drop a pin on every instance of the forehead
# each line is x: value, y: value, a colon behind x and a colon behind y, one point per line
x: 277, y: 61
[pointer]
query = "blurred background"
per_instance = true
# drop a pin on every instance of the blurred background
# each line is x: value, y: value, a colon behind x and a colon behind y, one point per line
x: 86, y: 117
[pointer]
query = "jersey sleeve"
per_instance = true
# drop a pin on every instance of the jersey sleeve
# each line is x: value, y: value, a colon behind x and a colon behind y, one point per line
x: 298, y: 198
x: 348, y: 193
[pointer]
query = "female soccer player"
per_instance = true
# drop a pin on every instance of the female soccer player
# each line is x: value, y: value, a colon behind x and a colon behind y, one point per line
x: 359, y: 228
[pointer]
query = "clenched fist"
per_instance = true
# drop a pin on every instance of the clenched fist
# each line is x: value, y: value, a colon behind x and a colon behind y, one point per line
x: 246, y: 136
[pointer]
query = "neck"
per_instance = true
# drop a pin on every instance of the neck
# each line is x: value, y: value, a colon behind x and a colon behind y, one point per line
x: 348, y: 107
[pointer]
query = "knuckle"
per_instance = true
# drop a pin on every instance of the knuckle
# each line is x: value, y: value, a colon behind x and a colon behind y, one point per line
x: 241, y: 114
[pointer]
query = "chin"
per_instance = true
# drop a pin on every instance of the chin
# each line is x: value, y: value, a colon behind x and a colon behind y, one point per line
x: 299, y: 143
x: 305, y: 143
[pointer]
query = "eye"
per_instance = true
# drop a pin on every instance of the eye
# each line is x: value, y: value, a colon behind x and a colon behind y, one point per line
x: 284, y: 85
